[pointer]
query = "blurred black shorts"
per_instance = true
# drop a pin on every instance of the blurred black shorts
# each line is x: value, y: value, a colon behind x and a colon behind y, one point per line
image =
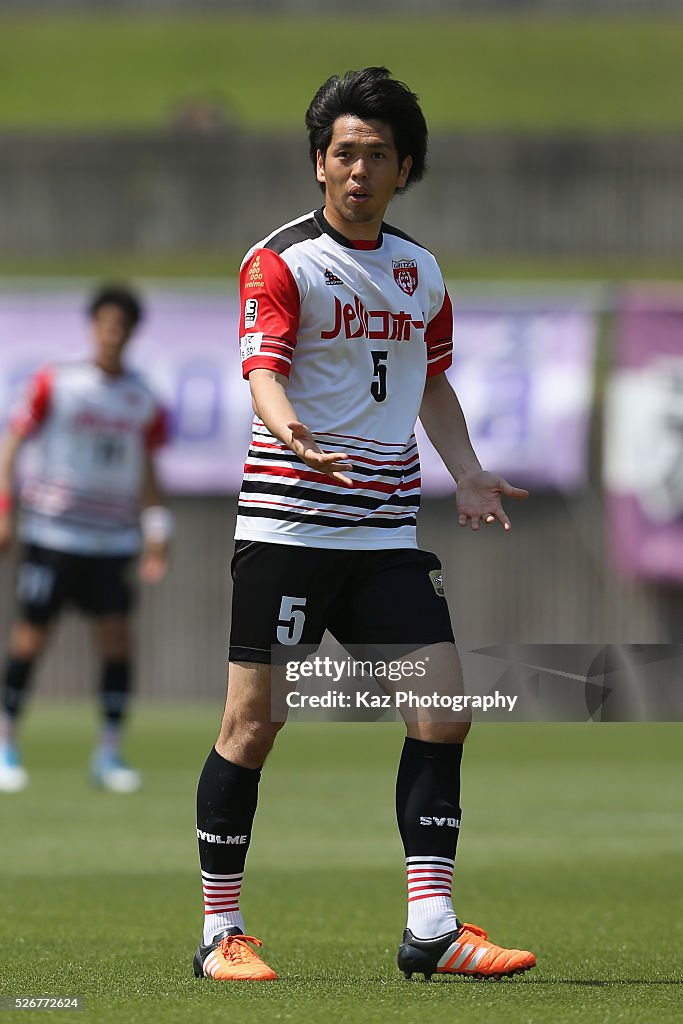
x: 286, y: 594
x: 48, y: 580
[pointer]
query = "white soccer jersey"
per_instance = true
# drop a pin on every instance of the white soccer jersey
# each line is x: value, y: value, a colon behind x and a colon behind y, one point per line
x: 93, y: 429
x: 356, y: 327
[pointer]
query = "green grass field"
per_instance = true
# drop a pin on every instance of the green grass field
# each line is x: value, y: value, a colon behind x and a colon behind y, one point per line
x: 521, y: 73
x: 571, y: 845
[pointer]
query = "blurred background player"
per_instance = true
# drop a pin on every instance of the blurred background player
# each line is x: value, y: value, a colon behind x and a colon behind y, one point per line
x: 90, y: 506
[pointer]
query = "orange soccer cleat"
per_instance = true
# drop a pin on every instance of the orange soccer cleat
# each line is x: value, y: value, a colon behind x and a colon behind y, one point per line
x: 229, y: 958
x: 466, y: 951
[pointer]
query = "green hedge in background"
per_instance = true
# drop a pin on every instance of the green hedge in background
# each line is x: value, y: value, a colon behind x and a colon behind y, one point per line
x: 520, y: 73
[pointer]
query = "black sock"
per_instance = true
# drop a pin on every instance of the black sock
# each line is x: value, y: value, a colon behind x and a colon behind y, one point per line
x: 428, y: 798
x: 226, y: 804
x: 15, y: 689
x: 115, y: 689
x: 428, y: 813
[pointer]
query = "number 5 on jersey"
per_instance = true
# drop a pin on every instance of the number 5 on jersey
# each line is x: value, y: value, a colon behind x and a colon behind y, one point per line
x: 292, y: 620
x: 378, y: 387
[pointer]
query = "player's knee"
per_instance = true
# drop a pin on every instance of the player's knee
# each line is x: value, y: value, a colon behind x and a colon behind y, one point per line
x: 440, y: 732
x: 27, y: 641
x: 113, y: 637
x: 248, y: 741
x: 458, y: 732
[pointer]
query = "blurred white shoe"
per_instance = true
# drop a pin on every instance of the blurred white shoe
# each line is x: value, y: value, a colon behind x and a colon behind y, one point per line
x: 13, y: 776
x: 110, y: 772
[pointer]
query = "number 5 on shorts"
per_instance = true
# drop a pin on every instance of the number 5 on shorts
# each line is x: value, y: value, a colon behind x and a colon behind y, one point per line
x: 292, y: 619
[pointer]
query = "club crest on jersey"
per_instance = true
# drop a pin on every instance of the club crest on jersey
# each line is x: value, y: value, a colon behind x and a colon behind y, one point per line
x: 405, y: 275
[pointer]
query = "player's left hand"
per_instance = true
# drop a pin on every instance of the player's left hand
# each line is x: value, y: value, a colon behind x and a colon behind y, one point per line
x: 479, y: 499
x: 153, y: 563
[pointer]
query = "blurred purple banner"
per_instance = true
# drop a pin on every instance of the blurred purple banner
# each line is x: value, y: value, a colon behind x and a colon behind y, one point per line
x: 523, y: 371
x: 644, y: 436
x: 524, y: 376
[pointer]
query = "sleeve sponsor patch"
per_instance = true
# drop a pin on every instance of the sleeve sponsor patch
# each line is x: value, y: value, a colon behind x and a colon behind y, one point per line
x: 250, y: 312
x: 250, y: 345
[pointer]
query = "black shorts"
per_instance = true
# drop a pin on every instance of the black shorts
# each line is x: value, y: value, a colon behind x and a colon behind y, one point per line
x: 47, y: 580
x: 286, y: 594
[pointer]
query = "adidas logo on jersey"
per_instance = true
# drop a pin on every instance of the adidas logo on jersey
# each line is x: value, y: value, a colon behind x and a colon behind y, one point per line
x: 331, y: 278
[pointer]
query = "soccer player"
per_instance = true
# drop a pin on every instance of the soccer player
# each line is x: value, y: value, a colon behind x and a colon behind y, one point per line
x: 92, y: 506
x: 345, y: 336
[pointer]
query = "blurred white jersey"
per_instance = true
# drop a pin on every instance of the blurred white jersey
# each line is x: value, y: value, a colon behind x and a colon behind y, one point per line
x: 357, y: 328
x: 92, y: 432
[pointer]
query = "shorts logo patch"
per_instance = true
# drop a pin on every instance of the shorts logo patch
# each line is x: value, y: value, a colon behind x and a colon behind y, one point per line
x: 250, y: 344
x: 436, y: 576
x: 250, y: 312
x: 405, y: 275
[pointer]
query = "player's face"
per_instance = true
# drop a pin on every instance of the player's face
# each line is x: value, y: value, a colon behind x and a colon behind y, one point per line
x: 111, y: 330
x: 361, y: 172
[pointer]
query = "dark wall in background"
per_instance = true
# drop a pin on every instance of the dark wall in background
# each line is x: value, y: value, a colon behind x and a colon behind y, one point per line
x: 502, y: 195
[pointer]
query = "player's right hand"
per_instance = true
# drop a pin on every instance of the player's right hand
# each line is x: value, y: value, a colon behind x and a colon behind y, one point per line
x: 306, y: 447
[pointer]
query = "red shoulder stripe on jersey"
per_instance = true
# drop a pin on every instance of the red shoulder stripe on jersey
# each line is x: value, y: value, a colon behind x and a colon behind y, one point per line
x: 261, y: 362
x: 37, y: 403
x: 440, y: 366
x: 277, y: 346
x: 269, y: 300
x: 439, y: 338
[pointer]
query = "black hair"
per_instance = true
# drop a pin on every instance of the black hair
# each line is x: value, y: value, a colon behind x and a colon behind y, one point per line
x: 371, y: 94
x: 117, y: 295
